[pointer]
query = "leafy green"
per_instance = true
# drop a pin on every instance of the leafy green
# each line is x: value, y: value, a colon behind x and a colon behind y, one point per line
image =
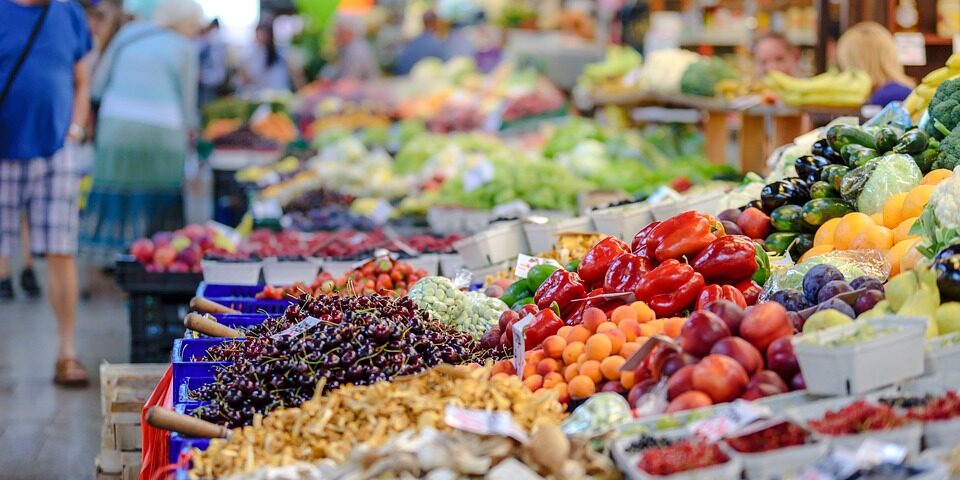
x: 701, y: 77
x: 949, y: 156
x: 892, y: 174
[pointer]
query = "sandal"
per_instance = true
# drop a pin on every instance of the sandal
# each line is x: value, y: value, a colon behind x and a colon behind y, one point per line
x: 70, y: 373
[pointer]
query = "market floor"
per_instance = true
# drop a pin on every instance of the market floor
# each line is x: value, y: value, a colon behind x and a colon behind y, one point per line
x: 48, y: 432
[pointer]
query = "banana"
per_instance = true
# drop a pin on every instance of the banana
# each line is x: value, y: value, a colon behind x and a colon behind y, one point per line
x: 911, y: 102
x: 954, y: 61
x: 936, y: 77
x: 926, y: 91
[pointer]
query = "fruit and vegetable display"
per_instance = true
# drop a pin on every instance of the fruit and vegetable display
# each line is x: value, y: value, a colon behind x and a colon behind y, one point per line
x: 783, y: 435
x: 858, y: 417
x: 343, y: 244
x: 181, y: 250
x: 382, y: 276
x: 471, y: 312
x: 682, y: 456
x: 917, y: 102
x: 328, y: 426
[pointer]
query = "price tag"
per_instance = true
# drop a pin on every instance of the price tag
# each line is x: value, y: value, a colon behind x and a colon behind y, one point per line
x: 260, y: 114
x: 911, y: 48
x: 478, y: 176
x: 526, y: 262
x: 483, y: 422
x: 839, y: 463
x: 519, y: 343
x: 740, y: 414
x: 297, y: 329
x: 644, y: 351
x: 874, y: 452
x: 266, y: 209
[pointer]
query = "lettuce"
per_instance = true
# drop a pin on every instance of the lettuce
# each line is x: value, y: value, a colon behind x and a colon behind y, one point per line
x: 892, y: 174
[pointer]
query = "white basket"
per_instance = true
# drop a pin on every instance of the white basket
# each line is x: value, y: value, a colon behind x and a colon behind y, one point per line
x: 854, y: 369
x: 708, y: 202
x: 280, y: 272
x: 427, y: 261
x: 941, y: 359
x: 542, y: 237
x: 943, y: 433
x: 500, y: 243
x: 444, y: 220
x: 338, y: 267
x: 231, y: 273
x: 622, y: 222
x: 450, y: 264
x: 479, y: 274
x: 666, y: 209
x: 627, y: 463
x: 907, y: 436
x: 780, y: 462
x: 475, y: 220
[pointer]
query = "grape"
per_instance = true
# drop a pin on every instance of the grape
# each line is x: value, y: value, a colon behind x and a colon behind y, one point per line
x: 838, y: 305
x: 792, y: 300
x: 866, y: 282
x: 832, y: 289
x: 867, y: 300
x: 817, y: 277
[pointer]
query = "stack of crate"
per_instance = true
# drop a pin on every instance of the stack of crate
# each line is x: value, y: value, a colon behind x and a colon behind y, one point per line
x: 124, y: 388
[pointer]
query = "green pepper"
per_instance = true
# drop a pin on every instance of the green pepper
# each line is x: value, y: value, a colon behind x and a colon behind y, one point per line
x: 520, y: 303
x: 537, y: 275
x: 572, y: 265
x: 763, y: 265
x: 516, y: 291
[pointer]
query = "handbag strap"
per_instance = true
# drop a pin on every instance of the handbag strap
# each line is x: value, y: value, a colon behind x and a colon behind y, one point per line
x: 26, y: 51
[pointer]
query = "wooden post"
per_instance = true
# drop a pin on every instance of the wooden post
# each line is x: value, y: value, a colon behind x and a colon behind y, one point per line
x: 786, y: 128
x: 752, y: 144
x: 715, y: 127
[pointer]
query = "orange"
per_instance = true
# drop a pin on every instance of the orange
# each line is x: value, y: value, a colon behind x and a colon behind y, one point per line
x: 617, y: 339
x: 672, y: 326
x: 529, y: 369
x: 644, y: 312
x: 629, y: 348
x: 851, y: 225
x: 895, y: 254
x: 554, y: 345
x: 548, y: 365
x: 579, y: 333
x: 581, y: 386
x: 533, y: 382
x: 562, y: 395
x: 564, y: 331
x: 936, y: 176
x: 623, y: 312
x: 630, y: 329
x: 875, y: 237
x: 816, y: 250
x: 591, y: 369
x: 647, y: 330
x: 571, y: 371
x: 902, y: 232
x: 582, y: 358
x: 893, y: 210
x: 610, y: 367
x: 598, y: 347
x: 603, y: 327
x: 628, y: 379
x: 825, y: 233
x: 916, y: 200
x: 592, y: 318
x: 911, y: 257
x: 571, y: 352
x: 552, y: 379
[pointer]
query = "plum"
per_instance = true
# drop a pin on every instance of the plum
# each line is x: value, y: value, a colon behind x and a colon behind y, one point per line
x: 867, y: 300
x: 817, y: 277
x: 729, y: 215
x: 792, y: 300
x: 832, y: 289
x: 838, y: 305
x: 731, y: 228
x: 729, y: 312
x: 866, y: 282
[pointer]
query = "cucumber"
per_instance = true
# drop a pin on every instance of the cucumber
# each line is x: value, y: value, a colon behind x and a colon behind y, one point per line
x: 840, y: 135
x: 833, y: 174
x: 816, y: 212
x: 800, y: 245
x: 912, y: 142
x: 516, y: 291
x: 857, y: 155
x: 823, y: 189
x: 779, y: 241
x: 926, y: 158
x: 787, y: 218
x: 885, y: 138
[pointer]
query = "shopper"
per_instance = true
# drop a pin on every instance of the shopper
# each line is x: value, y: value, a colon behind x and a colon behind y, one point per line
x: 213, y: 62
x: 458, y: 42
x: 266, y: 66
x: 44, y: 96
x: 869, y: 47
x: 772, y: 52
x: 425, y: 45
x: 147, y: 88
x: 355, y: 58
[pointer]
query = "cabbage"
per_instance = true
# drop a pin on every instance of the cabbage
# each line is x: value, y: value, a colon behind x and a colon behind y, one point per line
x: 893, y: 174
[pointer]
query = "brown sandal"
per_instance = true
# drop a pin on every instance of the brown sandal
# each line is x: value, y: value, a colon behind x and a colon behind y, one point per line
x: 70, y: 373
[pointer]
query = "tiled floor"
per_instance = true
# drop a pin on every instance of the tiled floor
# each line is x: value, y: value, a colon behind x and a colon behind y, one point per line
x: 48, y: 432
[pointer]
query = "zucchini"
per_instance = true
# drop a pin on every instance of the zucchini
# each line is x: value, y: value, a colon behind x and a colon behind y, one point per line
x: 800, y: 245
x: 885, y: 138
x: 787, y: 218
x: 833, y: 174
x: 816, y: 212
x: 857, y: 155
x: 840, y: 135
x: 925, y: 159
x: 912, y: 142
x: 779, y: 241
x: 823, y: 189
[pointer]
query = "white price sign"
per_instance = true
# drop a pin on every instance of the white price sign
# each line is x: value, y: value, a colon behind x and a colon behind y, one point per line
x: 526, y: 262
x: 520, y: 342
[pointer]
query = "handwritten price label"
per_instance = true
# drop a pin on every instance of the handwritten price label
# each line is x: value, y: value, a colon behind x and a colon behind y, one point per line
x: 298, y: 328
x: 740, y: 414
x: 483, y: 422
x: 520, y: 342
x: 526, y: 262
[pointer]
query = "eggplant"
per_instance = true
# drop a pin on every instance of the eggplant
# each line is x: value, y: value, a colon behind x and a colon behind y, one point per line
x: 803, y: 190
x: 947, y: 266
x: 754, y: 204
x: 809, y: 166
x: 823, y: 149
x: 779, y: 193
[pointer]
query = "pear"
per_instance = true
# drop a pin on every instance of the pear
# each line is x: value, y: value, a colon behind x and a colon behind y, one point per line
x: 948, y: 317
x: 825, y: 319
x: 900, y: 288
x: 924, y: 301
x: 880, y: 309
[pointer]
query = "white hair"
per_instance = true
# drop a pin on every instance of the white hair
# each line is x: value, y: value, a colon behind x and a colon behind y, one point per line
x: 178, y: 13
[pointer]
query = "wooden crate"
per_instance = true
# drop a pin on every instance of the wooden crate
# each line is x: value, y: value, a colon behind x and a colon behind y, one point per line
x: 127, y: 383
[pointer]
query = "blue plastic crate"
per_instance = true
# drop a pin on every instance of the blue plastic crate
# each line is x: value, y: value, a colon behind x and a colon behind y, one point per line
x: 232, y: 320
x: 270, y: 307
x: 184, y: 349
x: 180, y: 443
x: 182, y: 393
x: 210, y: 290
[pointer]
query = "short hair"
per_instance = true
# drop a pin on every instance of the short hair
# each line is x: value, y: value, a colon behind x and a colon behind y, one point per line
x: 779, y: 37
x: 174, y: 13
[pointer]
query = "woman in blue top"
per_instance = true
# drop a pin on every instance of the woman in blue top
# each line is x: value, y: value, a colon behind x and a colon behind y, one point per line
x: 869, y: 47
x: 147, y: 88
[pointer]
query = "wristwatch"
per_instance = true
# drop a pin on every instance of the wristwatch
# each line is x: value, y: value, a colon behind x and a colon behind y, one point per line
x: 76, y: 131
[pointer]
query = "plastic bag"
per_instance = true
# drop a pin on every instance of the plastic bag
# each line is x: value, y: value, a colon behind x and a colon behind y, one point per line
x: 653, y: 402
x: 892, y: 115
x: 852, y: 263
x: 600, y: 414
x: 156, y: 443
x: 480, y: 312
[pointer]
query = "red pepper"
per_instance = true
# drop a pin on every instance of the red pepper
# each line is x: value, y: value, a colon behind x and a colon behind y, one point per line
x: 644, y: 242
x: 720, y: 292
x: 728, y: 259
x: 561, y: 287
x: 545, y: 323
x: 750, y: 290
x: 595, y: 262
x: 625, y: 273
x: 686, y: 234
x: 670, y: 288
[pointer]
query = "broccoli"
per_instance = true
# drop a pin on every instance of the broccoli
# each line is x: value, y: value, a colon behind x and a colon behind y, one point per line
x: 701, y: 78
x: 944, y: 109
x: 949, y: 156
